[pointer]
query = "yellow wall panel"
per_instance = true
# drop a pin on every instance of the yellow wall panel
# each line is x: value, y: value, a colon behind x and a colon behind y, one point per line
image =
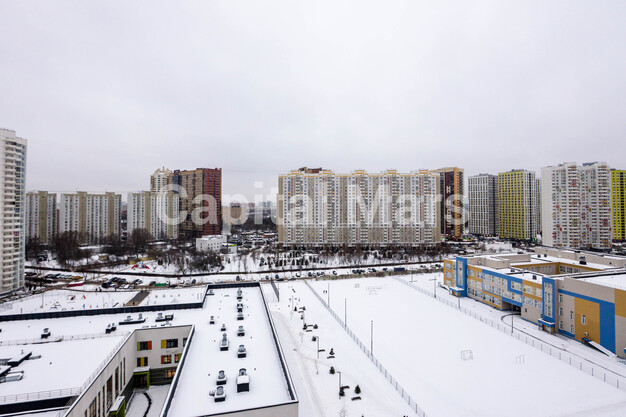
x: 620, y: 303
x: 592, y: 311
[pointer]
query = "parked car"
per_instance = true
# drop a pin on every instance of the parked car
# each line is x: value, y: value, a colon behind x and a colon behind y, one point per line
x: 152, y: 283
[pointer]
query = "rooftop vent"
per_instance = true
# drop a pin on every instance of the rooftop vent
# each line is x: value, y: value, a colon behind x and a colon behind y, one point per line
x: 240, y: 316
x: 243, y: 381
x: 583, y: 260
x: 212, y: 320
x: 241, y: 331
x: 219, y: 394
x: 240, y: 307
x: 46, y: 333
x: 211, y: 292
x: 224, y: 342
x: 223, y: 328
x: 221, y: 378
x: 12, y: 376
x: 241, y: 352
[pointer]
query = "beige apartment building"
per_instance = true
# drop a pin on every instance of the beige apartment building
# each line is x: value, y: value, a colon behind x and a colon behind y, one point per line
x: 93, y: 216
x: 317, y: 208
x: 156, y: 212
x: 161, y: 178
x: 41, y: 216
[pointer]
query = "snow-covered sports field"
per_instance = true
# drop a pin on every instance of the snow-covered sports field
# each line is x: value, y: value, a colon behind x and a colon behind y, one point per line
x: 62, y: 300
x: 420, y: 341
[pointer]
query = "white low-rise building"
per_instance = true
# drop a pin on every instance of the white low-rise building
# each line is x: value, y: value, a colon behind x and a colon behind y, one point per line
x: 211, y: 243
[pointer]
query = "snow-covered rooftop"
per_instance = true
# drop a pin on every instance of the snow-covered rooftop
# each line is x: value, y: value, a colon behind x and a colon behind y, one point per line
x: 64, y: 366
x: 268, y: 384
x: 614, y: 281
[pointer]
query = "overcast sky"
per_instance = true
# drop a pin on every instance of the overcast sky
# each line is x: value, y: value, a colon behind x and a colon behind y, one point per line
x: 106, y: 92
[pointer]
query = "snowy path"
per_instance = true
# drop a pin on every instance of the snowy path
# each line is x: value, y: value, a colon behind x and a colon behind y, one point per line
x: 311, y: 376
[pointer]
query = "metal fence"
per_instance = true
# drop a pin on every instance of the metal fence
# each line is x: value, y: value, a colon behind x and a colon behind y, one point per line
x: 586, y: 366
x: 40, y: 395
x: 53, y: 339
x: 405, y: 395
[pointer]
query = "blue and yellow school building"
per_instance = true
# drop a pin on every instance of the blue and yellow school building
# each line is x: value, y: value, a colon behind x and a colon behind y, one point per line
x: 576, y: 294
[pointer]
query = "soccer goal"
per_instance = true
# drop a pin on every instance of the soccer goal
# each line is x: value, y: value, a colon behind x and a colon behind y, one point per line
x: 467, y: 355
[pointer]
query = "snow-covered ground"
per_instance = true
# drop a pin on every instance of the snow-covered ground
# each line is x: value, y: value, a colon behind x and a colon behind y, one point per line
x: 420, y: 340
x: 138, y: 403
x: 63, y: 300
x: 317, y: 389
x: 175, y: 296
x: 574, y: 348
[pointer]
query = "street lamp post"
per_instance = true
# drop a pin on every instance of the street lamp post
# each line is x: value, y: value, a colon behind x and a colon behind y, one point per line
x: 339, y: 384
x: 317, y: 338
x: 372, y: 338
x: 328, y: 294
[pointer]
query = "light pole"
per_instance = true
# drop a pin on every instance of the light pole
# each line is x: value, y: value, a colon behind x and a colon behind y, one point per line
x: 328, y: 294
x: 318, y: 346
x: 372, y: 337
x: 339, y: 384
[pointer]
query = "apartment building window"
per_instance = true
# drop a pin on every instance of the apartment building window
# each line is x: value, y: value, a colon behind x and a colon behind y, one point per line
x: 170, y: 373
x: 169, y: 343
x: 144, y: 345
x: 583, y: 319
x: 165, y: 359
x: 560, y: 298
x: 560, y: 325
x: 571, y: 329
x: 143, y: 361
x: 571, y: 315
x: 560, y: 311
x: 177, y: 358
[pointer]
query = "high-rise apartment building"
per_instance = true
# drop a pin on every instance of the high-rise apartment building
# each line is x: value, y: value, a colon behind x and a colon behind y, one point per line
x: 576, y: 204
x: 41, y: 216
x: 452, y: 189
x: 12, y: 210
x: 618, y: 202
x: 518, y: 205
x: 93, y: 216
x: 161, y: 178
x: 482, y: 207
x: 200, y: 201
x: 320, y: 208
x: 157, y: 213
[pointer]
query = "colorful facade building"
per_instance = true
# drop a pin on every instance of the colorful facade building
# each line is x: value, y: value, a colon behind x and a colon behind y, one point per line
x: 518, y: 205
x: 618, y: 204
x: 576, y: 294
